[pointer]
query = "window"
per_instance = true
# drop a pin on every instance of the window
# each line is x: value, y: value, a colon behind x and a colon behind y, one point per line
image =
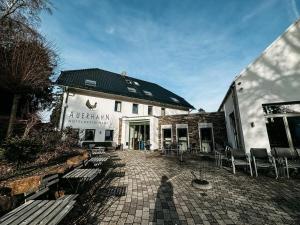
x: 128, y: 81
x: 91, y: 83
x: 148, y: 93
x: 163, y: 111
x: 135, y: 108
x: 174, y: 99
x: 89, y: 135
x: 130, y: 89
x: 109, y: 135
x: 136, y: 83
x: 118, y: 106
x: 150, y: 110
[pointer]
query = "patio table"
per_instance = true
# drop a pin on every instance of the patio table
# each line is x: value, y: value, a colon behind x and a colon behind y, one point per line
x: 39, y: 212
x: 98, y: 151
x: 97, y: 161
x: 82, y: 176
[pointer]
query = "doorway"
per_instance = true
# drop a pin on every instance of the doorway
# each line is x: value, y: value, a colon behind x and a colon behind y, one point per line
x: 182, y: 137
x: 166, y: 137
x: 206, y: 135
x: 139, y: 135
x: 283, y: 125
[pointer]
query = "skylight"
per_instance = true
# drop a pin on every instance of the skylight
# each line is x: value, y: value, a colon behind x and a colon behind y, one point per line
x: 130, y: 89
x: 128, y: 81
x: 174, y: 99
x: 148, y: 93
x: 91, y: 83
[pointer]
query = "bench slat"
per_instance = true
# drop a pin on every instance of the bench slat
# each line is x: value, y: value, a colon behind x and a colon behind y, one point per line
x: 37, y: 213
x: 20, y: 218
x: 55, y: 211
x: 6, y: 216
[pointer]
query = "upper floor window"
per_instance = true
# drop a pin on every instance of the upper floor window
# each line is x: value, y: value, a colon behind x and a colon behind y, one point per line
x: 91, y: 83
x: 130, y: 89
x: 109, y: 135
x: 148, y: 93
x: 150, y: 110
x: 118, y: 106
x: 163, y: 111
x: 135, y: 108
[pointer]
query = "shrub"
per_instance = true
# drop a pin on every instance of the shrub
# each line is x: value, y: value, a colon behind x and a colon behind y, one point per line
x: 21, y: 150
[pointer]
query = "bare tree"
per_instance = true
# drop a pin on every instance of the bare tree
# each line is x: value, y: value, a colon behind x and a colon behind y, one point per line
x: 26, y: 68
x: 23, y: 11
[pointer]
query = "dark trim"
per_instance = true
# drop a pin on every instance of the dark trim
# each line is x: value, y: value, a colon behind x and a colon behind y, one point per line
x: 282, y: 103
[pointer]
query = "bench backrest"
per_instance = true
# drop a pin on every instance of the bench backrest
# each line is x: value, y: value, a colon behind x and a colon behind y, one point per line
x: 44, y: 187
x: 259, y: 153
x: 285, y: 152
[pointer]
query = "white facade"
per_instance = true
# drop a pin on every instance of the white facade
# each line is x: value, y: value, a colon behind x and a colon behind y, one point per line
x: 76, y: 114
x: 273, y: 78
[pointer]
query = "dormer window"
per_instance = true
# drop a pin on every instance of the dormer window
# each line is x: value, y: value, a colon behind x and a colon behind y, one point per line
x: 91, y: 83
x: 128, y: 81
x: 174, y: 99
x: 148, y: 93
x: 132, y: 90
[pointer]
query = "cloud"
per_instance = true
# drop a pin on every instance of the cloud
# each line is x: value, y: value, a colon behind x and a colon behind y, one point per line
x: 193, y: 48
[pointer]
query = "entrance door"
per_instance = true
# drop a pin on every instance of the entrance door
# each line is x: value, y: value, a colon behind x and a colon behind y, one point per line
x: 206, y: 137
x: 139, y: 135
x: 182, y: 138
x: 166, y: 137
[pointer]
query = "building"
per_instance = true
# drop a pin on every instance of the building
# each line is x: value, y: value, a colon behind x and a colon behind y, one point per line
x: 106, y: 107
x: 262, y: 105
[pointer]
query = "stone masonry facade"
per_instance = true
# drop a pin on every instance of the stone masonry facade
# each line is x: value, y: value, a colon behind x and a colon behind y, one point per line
x: 193, y: 120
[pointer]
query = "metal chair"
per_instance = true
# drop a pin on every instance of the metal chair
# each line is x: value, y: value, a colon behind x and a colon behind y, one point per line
x: 239, y: 158
x: 290, y: 159
x: 261, y: 159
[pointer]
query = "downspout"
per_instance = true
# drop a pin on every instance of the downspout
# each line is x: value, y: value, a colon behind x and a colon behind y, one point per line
x: 65, y: 109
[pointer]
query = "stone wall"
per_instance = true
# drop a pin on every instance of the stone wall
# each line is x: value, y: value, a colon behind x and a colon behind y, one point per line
x: 193, y: 119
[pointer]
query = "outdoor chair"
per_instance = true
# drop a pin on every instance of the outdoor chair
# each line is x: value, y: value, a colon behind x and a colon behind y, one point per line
x: 239, y: 158
x: 288, y: 158
x: 261, y: 159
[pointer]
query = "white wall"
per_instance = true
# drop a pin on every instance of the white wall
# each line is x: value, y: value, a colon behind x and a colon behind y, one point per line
x: 78, y: 115
x: 228, y: 108
x: 273, y: 77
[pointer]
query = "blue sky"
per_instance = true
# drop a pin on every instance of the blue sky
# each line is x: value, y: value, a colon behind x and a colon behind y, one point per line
x: 193, y: 48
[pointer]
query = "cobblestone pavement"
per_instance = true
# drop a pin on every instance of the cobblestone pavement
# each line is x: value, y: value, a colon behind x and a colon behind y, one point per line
x: 158, y: 191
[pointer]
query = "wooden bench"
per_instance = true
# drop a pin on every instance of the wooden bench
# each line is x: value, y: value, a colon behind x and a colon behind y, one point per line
x: 44, y: 187
x: 40, y: 212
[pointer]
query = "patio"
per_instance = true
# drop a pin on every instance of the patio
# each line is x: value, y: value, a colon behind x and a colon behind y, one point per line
x: 146, y: 188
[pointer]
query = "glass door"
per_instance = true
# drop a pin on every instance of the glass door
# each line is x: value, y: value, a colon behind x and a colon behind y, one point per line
x: 182, y: 138
x: 294, y: 127
x: 167, y: 137
x: 277, y: 132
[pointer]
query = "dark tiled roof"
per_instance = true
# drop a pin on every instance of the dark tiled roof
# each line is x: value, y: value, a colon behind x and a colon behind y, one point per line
x: 113, y: 83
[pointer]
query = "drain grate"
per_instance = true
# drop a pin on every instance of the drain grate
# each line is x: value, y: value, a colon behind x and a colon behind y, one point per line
x: 113, y: 191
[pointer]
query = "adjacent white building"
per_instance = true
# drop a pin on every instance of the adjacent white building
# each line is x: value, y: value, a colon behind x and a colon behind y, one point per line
x: 106, y: 107
x: 262, y: 105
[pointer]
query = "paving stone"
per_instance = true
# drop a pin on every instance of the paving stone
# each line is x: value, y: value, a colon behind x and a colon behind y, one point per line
x: 159, y: 191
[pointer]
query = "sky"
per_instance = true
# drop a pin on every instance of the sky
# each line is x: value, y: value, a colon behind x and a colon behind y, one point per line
x: 193, y: 48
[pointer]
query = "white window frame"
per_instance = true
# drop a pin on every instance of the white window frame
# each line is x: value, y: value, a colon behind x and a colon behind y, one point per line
x: 183, y: 125
x: 167, y: 126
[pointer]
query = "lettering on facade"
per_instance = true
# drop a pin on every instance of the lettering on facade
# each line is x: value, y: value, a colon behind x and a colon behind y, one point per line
x: 88, y: 118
